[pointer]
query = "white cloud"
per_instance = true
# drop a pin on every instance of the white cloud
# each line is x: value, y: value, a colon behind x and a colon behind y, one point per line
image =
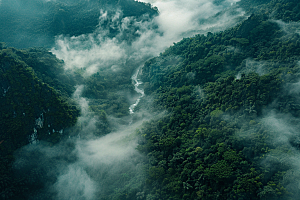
x: 289, y: 28
x: 259, y: 67
x: 89, y: 53
x: 75, y: 183
x: 176, y: 19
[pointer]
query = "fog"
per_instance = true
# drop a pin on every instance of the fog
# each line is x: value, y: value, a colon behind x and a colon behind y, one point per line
x: 180, y: 18
x: 252, y: 66
x: 288, y: 28
x: 84, y: 166
x: 176, y: 19
x: 284, y: 136
x: 89, y: 167
x: 276, y: 133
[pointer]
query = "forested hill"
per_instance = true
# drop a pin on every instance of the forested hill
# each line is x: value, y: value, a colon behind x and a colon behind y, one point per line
x: 232, y: 131
x: 31, y: 109
x: 228, y: 104
x: 35, y: 23
x: 36, y: 93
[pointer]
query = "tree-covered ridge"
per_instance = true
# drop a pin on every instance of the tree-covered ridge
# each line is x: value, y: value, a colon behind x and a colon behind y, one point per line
x: 33, y: 23
x: 225, y: 93
x: 38, y: 105
x: 190, y: 147
x: 21, y: 88
x: 31, y: 110
x: 286, y: 10
x: 206, y: 58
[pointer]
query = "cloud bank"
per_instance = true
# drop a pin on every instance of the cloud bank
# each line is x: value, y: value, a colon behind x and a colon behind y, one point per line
x: 138, y: 40
x: 83, y: 166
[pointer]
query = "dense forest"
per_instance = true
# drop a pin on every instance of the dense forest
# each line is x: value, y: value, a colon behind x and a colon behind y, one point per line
x: 36, y: 22
x: 219, y: 118
x: 231, y: 131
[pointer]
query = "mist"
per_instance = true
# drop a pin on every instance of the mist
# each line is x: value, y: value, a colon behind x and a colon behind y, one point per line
x: 88, y: 167
x: 176, y: 20
x: 276, y: 133
x: 252, y: 66
x: 84, y: 166
x: 288, y: 28
x: 180, y: 18
x: 284, y: 136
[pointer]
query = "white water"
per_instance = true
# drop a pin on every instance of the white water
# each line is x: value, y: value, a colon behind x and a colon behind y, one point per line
x: 136, y: 83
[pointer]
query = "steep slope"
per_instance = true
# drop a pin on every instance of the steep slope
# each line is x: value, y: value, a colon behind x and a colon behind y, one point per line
x: 231, y: 97
x: 34, y: 23
x: 31, y: 111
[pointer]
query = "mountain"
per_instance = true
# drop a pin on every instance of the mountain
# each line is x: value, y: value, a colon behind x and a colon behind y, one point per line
x: 34, y: 23
x: 224, y: 106
x: 233, y: 111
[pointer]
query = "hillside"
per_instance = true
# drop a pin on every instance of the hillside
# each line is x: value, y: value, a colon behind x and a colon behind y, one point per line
x: 35, y: 23
x: 231, y: 131
x: 31, y: 110
x: 40, y: 106
x: 219, y: 119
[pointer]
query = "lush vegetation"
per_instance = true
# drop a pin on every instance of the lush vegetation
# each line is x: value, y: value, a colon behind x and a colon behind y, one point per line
x: 36, y: 92
x: 217, y: 89
x: 231, y: 100
x: 31, y: 23
x: 31, y: 110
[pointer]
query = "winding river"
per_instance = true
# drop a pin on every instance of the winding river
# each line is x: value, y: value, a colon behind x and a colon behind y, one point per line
x: 136, y: 82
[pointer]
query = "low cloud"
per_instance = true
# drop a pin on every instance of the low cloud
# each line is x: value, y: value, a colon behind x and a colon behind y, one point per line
x: 75, y: 183
x: 138, y: 40
x: 252, y: 66
x: 284, y: 136
x: 280, y: 127
x: 180, y: 18
x: 199, y: 92
x: 89, y: 53
x: 290, y: 27
x: 84, y: 166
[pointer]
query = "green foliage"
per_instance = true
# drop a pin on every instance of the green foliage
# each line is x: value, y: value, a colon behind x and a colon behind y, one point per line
x: 31, y: 110
x: 40, y: 21
x: 216, y: 89
x: 211, y: 143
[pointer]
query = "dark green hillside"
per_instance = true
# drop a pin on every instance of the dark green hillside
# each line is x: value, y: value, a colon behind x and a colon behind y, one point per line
x: 222, y: 92
x: 31, y: 23
x: 286, y: 10
x: 31, y: 110
x: 37, y: 104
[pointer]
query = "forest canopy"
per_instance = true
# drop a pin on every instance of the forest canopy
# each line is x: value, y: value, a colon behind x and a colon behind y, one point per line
x: 228, y: 104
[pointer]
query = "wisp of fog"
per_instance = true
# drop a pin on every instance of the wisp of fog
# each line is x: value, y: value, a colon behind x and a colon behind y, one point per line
x: 176, y: 20
x: 93, y: 165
